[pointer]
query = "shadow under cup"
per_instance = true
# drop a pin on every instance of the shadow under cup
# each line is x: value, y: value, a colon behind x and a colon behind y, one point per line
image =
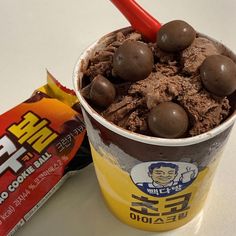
x: 151, y: 183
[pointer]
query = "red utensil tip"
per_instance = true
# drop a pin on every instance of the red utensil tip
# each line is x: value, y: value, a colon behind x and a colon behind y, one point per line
x: 140, y: 20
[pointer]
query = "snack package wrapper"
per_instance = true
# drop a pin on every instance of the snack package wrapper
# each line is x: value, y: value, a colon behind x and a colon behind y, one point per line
x: 42, y: 142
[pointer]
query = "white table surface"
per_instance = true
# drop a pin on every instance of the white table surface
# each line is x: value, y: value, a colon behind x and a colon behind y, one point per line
x: 40, y: 34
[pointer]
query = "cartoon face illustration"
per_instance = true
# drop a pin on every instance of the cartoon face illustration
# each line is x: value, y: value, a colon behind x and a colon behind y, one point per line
x: 162, y: 178
x: 163, y: 173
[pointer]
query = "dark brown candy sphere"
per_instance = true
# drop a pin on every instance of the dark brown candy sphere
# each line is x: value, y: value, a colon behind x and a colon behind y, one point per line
x: 218, y: 74
x: 175, y: 36
x: 168, y: 120
x: 133, y: 61
x: 102, y: 91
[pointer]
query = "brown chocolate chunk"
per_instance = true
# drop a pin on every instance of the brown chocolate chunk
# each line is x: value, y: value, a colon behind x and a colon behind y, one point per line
x: 193, y: 56
x: 205, y: 112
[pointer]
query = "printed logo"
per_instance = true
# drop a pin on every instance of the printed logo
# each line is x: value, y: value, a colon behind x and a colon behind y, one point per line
x: 161, y: 178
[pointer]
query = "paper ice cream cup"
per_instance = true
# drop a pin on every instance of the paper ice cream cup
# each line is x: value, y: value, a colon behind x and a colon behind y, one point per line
x: 151, y: 183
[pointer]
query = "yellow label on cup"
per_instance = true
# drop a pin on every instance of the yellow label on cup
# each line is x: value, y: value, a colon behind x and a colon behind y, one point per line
x: 154, y: 196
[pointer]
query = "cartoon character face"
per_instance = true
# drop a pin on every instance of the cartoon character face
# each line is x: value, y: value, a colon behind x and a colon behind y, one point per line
x: 163, y: 175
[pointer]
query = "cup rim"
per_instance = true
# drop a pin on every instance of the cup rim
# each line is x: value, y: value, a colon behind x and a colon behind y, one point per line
x: 139, y: 137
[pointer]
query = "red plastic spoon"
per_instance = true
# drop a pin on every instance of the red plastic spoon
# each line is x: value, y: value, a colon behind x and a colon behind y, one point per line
x: 140, y: 20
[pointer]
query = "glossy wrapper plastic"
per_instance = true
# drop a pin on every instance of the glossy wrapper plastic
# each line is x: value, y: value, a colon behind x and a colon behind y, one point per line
x: 42, y: 142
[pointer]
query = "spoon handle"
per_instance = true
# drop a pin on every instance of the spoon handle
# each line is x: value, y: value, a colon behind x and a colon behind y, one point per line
x: 140, y: 20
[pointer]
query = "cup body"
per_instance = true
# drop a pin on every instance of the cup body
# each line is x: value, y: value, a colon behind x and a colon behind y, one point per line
x: 151, y: 183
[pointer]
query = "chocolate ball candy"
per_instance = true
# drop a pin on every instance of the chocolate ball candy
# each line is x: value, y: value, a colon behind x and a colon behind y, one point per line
x: 133, y: 61
x: 168, y: 120
x: 102, y: 91
x: 175, y: 36
x: 218, y: 75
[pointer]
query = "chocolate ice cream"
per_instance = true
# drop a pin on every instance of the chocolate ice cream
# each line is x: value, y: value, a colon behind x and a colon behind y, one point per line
x: 175, y: 77
x: 193, y: 56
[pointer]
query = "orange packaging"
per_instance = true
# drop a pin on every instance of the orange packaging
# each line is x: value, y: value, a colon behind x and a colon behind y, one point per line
x: 38, y: 140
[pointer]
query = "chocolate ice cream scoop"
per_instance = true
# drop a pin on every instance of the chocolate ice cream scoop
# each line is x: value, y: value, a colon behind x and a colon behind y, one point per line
x: 133, y: 61
x: 175, y: 77
x: 175, y: 36
x: 102, y: 91
x: 168, y: 120
x: 218, y: 74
